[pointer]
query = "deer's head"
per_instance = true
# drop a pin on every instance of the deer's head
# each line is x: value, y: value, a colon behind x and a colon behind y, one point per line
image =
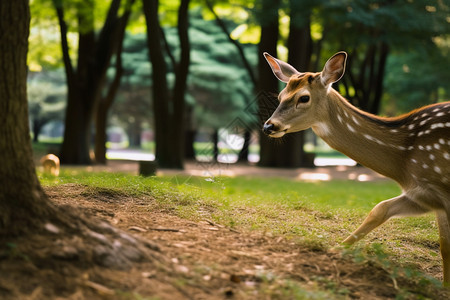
x: 303, y: 100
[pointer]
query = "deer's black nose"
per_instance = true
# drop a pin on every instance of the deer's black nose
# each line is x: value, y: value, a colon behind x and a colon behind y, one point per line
x: 268, y: 128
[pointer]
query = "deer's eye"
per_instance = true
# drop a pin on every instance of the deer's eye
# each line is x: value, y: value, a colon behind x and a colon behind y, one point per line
x: 304, y: 99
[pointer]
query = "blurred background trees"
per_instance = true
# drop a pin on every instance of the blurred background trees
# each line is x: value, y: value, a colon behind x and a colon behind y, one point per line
x: 204, y: 78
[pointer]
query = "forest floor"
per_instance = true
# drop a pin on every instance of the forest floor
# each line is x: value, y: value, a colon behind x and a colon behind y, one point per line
x: 198, y: 260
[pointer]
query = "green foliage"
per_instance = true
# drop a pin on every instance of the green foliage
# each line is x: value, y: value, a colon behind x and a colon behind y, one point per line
x: 219, y: 88
x: 44, y: 51
x: 218, y: 81
x: 402, y: 24
x: 416, y: 78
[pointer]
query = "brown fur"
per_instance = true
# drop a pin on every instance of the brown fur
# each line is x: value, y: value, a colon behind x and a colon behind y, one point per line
x: 413, y: 149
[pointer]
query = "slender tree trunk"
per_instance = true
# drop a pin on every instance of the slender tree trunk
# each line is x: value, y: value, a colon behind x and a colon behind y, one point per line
x: 169, y: 111
x: 181, y: 74
x: 300, y: 49
x: 160, y: 86
x: 215, y: 141
x: 368, y: 80
x: 267, y: 82
x: 23, y: 204
x: 106, y: 102
x: 37, y: 127
x: 102, y: 112
x: 190, y: 132
x: 86, y: 81
x: 243, y: 154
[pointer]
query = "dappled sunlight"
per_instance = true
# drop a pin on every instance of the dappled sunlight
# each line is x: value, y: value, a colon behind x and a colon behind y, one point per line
x: 301, y: 174
x: 137, y: 155
x: 308, y: 176
x: 339, y: 172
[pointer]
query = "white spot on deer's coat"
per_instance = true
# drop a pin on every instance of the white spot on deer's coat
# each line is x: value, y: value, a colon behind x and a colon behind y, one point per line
x: 423, y: 122
x: 432, y: 157
x: 437, y: 146
x: 394, y: 130
x: 355, y: 120
x: 339, y: 118
x: 414, y: 161
x: 442, y: 141
x: 410, y: 127
x: 438, y: 125
x: 429, y: 147
x: 447, y: 124
x: 446, y: 156
x: 439, y: 114
x: 425, y: 166
x: 435, y: 110
x: 379, y: 142
x: 437, y: 169
x: 421, y: 147
x: 351, y: 128
x: 424, y: 115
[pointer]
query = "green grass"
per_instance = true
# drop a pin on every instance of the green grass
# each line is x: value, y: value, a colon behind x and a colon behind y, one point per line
x: 319, y: 215
x: 330, y: 210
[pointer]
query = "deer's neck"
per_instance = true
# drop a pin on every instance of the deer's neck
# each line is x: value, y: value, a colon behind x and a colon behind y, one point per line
x: 377, y: 143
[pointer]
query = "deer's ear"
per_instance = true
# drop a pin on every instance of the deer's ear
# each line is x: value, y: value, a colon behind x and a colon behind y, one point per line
x: 283, y: 71
x: 334, y: 69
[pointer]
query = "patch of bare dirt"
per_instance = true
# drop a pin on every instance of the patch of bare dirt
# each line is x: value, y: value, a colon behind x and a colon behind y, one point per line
x: 193, y: 260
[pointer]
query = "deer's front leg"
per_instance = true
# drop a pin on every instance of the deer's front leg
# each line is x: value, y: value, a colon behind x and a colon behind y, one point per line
x: 444, y: 239
x: 398, y: 206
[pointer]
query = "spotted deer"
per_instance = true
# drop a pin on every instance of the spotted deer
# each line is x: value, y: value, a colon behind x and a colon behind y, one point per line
x: 412, y: 149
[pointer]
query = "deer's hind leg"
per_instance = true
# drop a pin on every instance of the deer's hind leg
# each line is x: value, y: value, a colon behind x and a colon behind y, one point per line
x: 444, y: 240
x: 383, y: 211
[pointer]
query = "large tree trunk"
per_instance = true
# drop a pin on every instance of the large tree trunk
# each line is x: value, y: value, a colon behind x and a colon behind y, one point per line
x: 22, y: 202
x: 37, y: 229
x: 169, y: 109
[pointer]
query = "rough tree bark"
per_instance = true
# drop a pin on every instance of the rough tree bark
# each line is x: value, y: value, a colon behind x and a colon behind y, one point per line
x: 169, y: 106
x: 27, y: 216
x: 23, y: 203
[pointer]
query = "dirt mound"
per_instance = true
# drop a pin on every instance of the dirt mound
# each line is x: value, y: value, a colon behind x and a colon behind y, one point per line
x: 196, y: 260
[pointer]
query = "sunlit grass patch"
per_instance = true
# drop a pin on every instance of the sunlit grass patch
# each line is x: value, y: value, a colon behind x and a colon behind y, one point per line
x: 317, y: 215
